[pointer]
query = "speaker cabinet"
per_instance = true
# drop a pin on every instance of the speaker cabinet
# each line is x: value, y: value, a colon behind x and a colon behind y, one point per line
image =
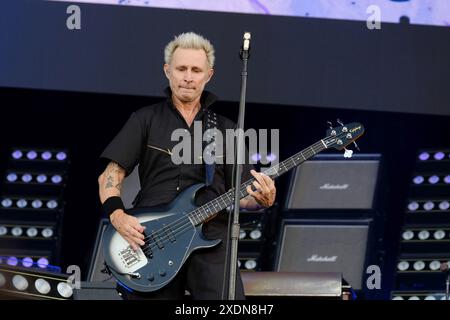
x: 97, y: 265
x: 334, y: 182
x: 324, y: 246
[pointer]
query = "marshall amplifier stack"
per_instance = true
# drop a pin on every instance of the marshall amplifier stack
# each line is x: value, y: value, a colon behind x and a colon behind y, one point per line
x: 329, y: 216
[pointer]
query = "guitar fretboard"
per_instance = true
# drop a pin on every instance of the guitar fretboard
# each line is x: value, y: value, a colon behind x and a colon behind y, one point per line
x: 211, y: 208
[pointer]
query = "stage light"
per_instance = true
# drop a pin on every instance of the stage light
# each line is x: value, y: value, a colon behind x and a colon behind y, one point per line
x: 29, y: 283
x: 430, y: 298
x: 26, y: 177
x: 447, y: 179
x: 42, y: 263
x: 42, y: 286
x: 27, y: 262
x: 250, y: 264
x: 36, y: 204
x: 423, y: 235
x: 255, y: 234
x: 398, y: 298
x: 56, y: 179
x: 21, y: 203
x: 6, y: 203
x: 439, y: 155
x: 12, y: 261
x: 403, y: 265
x: 433, y: 179
x: 256, y: 157
x: 408, y: 235
x: 413, y: 206
x: 52, y: 204
x: 64, y: 289
x: 435, y: 265
x: 271, y: 157
x: 17, y: 154
x: 424, y: 156
x: 239, y: 263
x: 439, y: 234
x: 61, y: 156
x: 46, y: 155
x: 32, y: 232
x: 242, y: 234
x: 3, y: 231
x: 414, y: 298
x: 418, y: 179
x: 429, y: 205
x: 47, y: 232
x: 31, y: 155
x: 41, y: 178
x: 19, y: 282
x: 11, y: 177
x: 444, y: 205
x: 419, y: 265
x: 16, y: 231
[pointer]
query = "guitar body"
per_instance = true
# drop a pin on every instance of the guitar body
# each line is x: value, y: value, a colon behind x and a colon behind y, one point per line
x: 170, y: 238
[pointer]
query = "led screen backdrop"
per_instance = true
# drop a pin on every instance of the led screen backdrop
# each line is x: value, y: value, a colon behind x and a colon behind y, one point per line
x: 297, y: 61
x: 429, y: 12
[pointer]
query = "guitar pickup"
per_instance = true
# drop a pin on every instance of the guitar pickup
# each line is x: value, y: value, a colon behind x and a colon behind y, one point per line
x: 169, y: 234
x: 157, y: 240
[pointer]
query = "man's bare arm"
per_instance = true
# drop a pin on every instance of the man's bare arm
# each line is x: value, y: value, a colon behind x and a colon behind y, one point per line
x: 110, y: 183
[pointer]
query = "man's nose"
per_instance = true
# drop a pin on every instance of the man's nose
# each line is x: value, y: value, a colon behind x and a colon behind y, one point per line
x: 188, y: 76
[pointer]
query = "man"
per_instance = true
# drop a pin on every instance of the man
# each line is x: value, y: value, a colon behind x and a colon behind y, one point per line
x: 146, y: 140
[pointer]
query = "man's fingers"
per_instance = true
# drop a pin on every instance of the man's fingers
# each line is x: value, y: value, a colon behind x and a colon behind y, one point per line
x: 138, y: 237
x: 133, y: 245
x: 252, y: 193
x: 257, y: 185
x: 261, y: 178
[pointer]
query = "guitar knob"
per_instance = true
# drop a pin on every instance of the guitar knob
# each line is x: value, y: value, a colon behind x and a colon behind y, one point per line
x: 150, y: 277
x: 162, y: 273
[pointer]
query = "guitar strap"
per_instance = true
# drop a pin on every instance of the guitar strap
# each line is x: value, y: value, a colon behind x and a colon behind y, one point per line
x: 209, y: 146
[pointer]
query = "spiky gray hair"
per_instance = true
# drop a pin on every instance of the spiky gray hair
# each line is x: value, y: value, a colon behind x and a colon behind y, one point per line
x: 189, y: 40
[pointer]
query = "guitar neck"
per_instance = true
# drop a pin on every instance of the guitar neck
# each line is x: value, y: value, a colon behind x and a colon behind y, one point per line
x: 211, y: 208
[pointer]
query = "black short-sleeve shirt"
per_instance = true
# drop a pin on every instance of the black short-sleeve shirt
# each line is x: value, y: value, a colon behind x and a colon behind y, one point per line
x: 145, y: 139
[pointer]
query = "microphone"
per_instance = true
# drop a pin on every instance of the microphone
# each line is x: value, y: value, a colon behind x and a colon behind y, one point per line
x: 246, y: 45
x: 245, y: 48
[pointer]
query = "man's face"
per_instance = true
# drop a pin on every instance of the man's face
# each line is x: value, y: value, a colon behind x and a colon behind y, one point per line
x: 188, y: 73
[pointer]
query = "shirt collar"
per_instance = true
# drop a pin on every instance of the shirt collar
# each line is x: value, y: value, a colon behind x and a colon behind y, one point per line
x: 206, y: 100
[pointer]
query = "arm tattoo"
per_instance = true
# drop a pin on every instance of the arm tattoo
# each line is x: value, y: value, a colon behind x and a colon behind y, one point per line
x: 113, y: 168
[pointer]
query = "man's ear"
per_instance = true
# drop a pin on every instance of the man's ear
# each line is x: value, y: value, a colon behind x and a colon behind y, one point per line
x: 166, y: 70
x: 210, y: 74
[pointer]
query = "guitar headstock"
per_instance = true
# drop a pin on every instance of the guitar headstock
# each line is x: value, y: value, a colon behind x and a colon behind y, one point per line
x: 341, y: 136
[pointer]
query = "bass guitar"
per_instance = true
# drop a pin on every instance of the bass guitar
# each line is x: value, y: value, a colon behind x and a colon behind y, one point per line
x: 173, y: 231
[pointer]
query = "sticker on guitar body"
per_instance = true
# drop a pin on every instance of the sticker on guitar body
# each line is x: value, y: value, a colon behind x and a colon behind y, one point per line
x: 125, y: 259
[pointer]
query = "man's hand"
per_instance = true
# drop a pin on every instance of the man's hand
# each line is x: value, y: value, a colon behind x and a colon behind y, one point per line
x: 129, y: 228
x: 265, y: 189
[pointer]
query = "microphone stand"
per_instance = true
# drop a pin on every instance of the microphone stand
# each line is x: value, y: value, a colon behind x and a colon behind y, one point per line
x: 244, y: 54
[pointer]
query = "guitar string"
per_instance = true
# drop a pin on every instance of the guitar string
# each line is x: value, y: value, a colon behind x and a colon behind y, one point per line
x: 186, y: 226
x: 180, y: 229
x: 243, y: 188
x: 181, y: 223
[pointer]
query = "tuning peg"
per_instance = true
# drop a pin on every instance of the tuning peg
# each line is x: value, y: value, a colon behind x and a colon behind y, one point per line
x: 356, y: 146
x: 340, y: 122
x: 348, y: 153
x: 330, y: 124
